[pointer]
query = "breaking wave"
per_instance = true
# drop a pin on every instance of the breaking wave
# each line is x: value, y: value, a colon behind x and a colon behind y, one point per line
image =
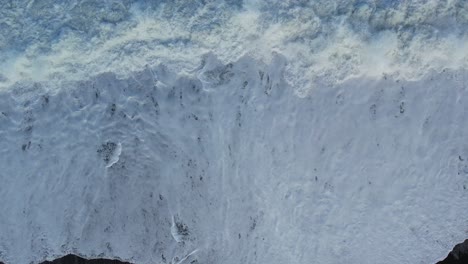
x: 324, y: 42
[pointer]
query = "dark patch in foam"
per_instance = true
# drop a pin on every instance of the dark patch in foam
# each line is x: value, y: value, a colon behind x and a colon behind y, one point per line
x: 107, y: 150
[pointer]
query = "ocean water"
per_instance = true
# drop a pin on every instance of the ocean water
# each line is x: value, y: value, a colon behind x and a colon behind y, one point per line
x: 233, y: 131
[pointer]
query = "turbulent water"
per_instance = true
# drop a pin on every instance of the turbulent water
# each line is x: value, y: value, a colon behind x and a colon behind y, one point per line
x: 233, y: 131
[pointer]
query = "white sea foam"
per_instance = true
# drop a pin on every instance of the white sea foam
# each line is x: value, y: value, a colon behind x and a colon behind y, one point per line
x: 234, y: 169
x: 233, y: 132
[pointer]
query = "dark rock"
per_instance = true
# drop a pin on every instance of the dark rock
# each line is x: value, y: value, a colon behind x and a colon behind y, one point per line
x: 459, y: 255
x: 73, y: 259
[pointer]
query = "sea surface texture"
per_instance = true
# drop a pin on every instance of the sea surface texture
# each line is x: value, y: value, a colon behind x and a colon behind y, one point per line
x: 227, y: 132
